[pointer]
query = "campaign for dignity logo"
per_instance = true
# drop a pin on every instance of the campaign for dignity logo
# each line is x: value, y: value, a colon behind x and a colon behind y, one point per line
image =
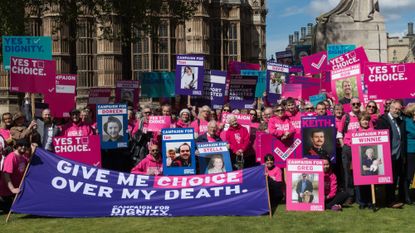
x: 141, y: 210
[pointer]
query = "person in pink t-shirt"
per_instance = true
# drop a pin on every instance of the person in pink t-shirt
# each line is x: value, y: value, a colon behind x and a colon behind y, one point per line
x: 12, y: 173
x: 152, y: 165
x: 332, y: 196
x: 275, y: 183
x: 200, y: 124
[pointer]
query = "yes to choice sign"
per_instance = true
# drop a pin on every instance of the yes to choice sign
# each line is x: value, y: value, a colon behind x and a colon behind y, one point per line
x: 32, y: 75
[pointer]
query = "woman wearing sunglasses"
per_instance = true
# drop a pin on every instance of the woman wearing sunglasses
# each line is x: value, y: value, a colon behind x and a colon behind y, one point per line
x: 372, y: 109
x: 280, y: 125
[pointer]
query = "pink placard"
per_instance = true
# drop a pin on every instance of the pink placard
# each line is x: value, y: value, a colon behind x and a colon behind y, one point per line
x: 32, y: 75
x: 99, y: 96
x: 355, y: 57
x: 81, y: 149
x: 345, y: 88
x: 61, y: 98
x: 269, y: 144
x: 305, y: 185
x: 157, y: 123
x: 292, y: 90
x: 315, y: 63
x: 397, y: 79
x: 127, y: 91
x: 371, y: 157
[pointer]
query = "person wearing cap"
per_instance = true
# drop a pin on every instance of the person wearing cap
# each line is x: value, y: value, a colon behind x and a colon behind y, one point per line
x: 20, y: 131
x: 47, y: 129
x: 76, y: 128
x: 13, y: 170
x: 184, y: 119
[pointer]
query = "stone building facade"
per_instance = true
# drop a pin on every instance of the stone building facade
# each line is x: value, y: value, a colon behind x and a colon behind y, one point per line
x: 221, y: 30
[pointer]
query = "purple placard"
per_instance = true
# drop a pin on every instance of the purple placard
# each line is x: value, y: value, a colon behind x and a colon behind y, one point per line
x: 319, y: 137
x: 95, y: 192
x: 32, y: 75
x: 213, y: 90
x: 242, y: 91
x: 190, y: 72
x: 127, y: 92
x: 276, y: 78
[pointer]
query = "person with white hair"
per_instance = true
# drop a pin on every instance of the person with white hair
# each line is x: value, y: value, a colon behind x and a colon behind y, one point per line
x: 211, y: 135
x: 201, y: 123
x: 238, y: 138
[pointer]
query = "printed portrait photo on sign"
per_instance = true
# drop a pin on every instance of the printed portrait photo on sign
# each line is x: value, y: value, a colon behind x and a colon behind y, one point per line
x: 346, y: 89
x: 213, y: 163
x: 178, y: 154
x: 371, y: 160
x: 319, y: 142
x: 304, y: 188
x: 275, y: 82
x: 189, y: 75
x: 112, y: 128
x: 127, y: 96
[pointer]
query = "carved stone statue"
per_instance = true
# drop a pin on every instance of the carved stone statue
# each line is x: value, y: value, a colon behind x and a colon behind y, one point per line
x: 356, y: 22
x: 357, y: 10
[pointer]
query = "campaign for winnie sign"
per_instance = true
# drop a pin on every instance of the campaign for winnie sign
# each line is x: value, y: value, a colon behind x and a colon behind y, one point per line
x: 58, y: 187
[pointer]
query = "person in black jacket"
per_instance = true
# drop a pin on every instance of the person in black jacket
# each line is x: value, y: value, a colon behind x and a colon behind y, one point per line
x: 304, y: 187
x: 397, y: 132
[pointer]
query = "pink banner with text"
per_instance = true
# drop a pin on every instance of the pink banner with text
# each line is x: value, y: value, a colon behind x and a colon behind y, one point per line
x: 61, y: 98
x: 157, y: 123
x: 81, y: 149
x: 31, y: 75
x: 397, y: 79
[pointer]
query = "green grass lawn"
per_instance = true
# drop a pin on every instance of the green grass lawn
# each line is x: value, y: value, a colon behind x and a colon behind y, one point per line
x: 349, y: 220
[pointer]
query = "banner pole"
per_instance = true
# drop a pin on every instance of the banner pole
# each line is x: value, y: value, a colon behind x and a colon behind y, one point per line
x: 269, y: 198
x: 372, y: 187
x: 20, y: 186
x: 32, y: 100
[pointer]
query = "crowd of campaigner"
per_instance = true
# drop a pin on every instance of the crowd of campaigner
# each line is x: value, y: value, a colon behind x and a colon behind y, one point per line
x: 19, y: 135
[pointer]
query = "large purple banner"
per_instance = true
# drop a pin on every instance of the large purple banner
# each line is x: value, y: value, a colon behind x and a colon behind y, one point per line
x: 58, y: 187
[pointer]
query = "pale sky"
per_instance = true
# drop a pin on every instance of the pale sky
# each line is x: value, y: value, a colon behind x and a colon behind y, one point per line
x: 286, y: 16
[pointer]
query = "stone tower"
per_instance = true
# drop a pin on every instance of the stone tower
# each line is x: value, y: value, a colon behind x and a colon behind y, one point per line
x: 356, y: 22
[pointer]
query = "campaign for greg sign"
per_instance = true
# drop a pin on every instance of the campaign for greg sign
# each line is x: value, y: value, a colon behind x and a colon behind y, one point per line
x: 398, y: 79
x: 32, y: 75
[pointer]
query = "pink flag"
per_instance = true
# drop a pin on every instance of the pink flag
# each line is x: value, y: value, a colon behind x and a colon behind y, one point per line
x: 81, y: 149
x: 292, y: 90
x: 61, y: 98
x: 32, y: 75
x: 157, y: 123
x: 269, y: 144
x: 315, y: 63
x: 397, y: 79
